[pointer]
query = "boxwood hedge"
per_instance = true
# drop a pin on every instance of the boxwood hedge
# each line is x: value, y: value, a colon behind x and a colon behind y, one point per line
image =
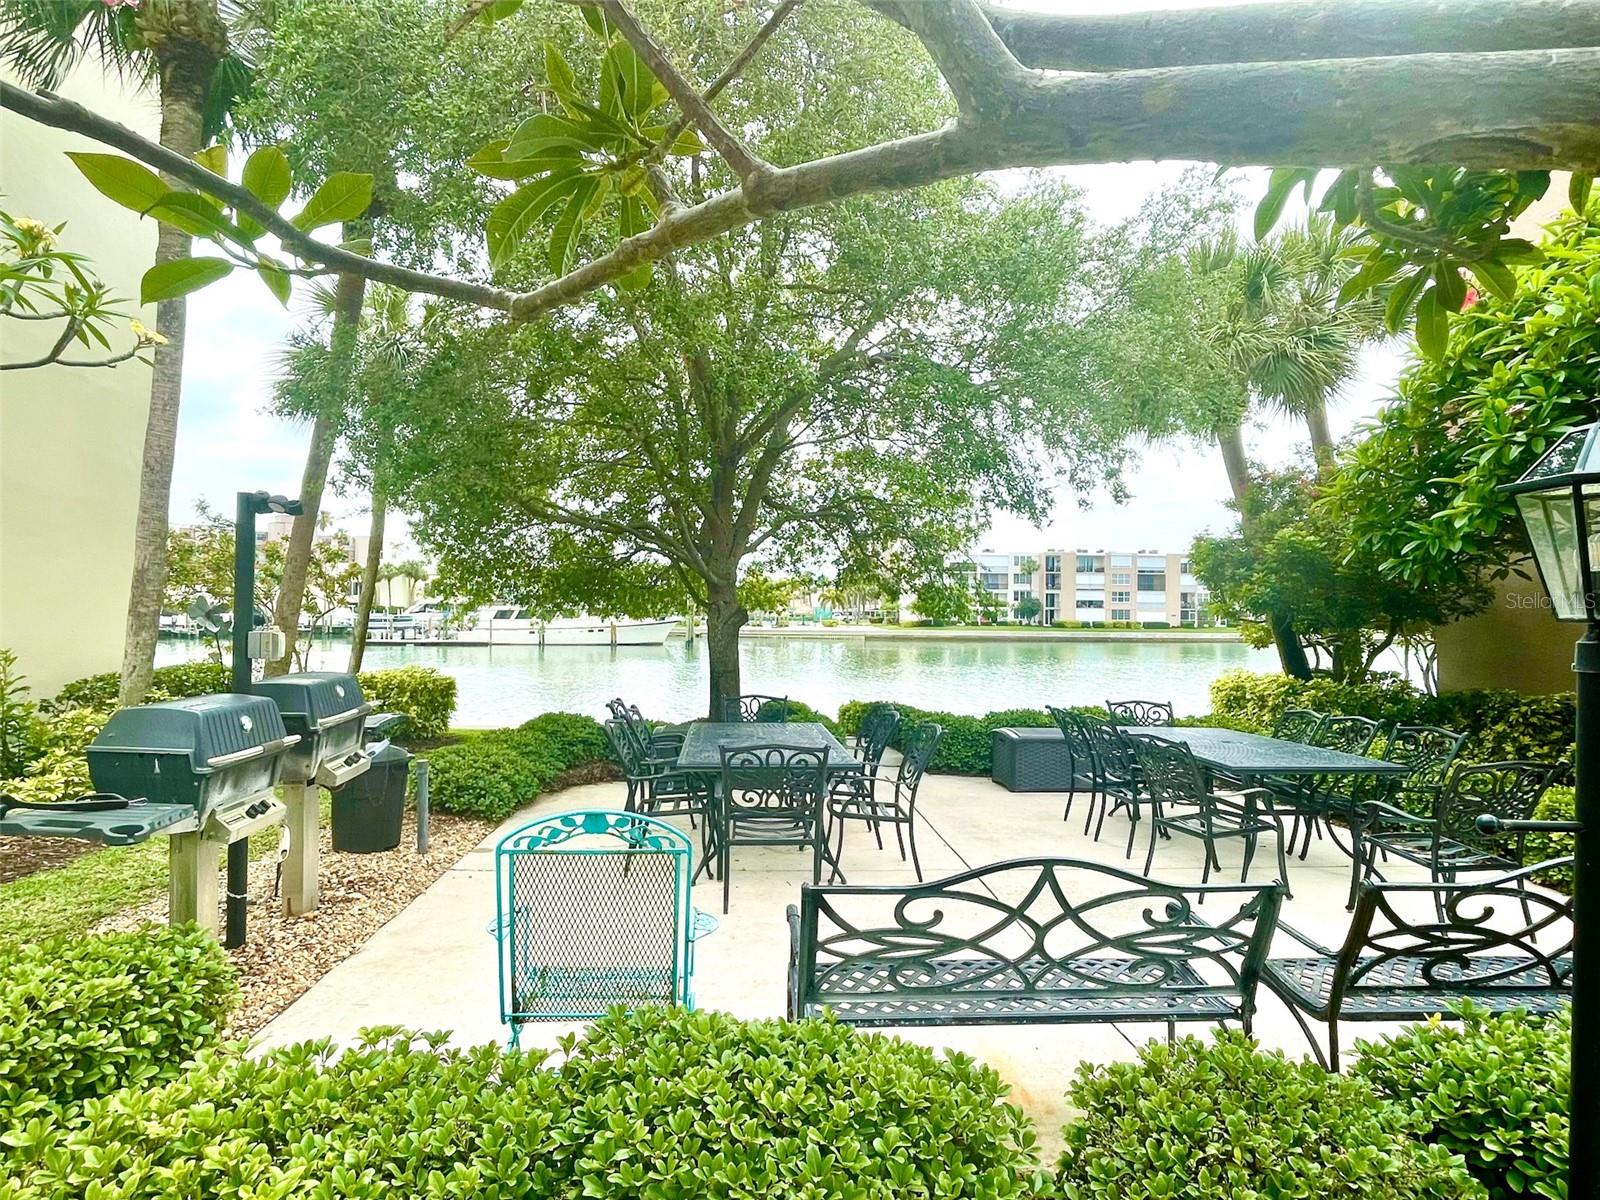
x: 1226, y: 1121
x: 657, y: 1103
x: 1493, y: 1089
x: 82, y: 1016
x: 494, y: 773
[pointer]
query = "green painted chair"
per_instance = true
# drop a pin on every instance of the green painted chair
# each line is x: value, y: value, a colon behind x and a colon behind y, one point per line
x: 592, y: 911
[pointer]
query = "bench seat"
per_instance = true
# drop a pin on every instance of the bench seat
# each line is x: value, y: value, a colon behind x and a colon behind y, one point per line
x: 1397, y: 988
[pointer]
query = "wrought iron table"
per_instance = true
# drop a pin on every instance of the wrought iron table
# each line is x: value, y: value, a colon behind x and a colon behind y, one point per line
x: 703, y: 742
x: 1252, y: 756
x: 1247, y: 757
x: 701, y: 754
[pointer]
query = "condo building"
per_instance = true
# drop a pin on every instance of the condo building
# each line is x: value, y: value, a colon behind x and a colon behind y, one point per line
x: 1144, y: 587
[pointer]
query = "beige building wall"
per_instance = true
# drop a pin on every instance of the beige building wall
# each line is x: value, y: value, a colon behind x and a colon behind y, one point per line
x: 70, y: 438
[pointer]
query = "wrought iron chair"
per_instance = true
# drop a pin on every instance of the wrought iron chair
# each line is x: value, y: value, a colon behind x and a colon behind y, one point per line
x: 1140, y: 712
x: 1311, y: 800
x: 653, y: 742
x: 1181, y: 801
x: 1449, y: 843
x: 772, y: 795
x: 755, y: 708
x: 565, y: 957
x: 1074, y: 728
x: 1298, y: 725
x: 872, y: 736
x: 1393, y: 967
x: 654, y: 786
x: 1116, y: 776
x: 857, y: 799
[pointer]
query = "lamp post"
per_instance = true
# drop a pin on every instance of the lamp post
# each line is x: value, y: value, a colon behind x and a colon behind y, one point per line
x: 1559, y: 500
x: 249, y: 506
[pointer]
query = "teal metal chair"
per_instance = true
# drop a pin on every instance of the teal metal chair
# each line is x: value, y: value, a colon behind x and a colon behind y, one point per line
x: 592, y: 911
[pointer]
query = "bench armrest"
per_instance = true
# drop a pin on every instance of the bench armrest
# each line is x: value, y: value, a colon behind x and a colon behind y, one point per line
x: 1308, y: 943
x: 1381, y: 814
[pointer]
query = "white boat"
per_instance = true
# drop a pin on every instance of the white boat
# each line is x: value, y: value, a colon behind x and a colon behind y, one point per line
x: 508, y: 625
x: 421, y: 620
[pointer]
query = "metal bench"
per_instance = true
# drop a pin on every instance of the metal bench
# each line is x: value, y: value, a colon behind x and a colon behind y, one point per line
x: 1031, y: 941
x: 1395, y: 967
x: 593, y: 911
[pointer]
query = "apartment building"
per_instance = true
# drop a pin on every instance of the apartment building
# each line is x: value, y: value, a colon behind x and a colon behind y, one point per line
x: 1144, y: 586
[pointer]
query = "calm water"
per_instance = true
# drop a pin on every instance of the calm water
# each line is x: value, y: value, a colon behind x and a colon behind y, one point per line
x: 504, y: 685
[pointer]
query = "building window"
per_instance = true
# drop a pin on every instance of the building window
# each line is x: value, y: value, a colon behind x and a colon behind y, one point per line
x: 1100, y: 604
x: 994, y: 582
x: 1122, y: 597
x: 1152, y: 581
x: 1121, y: 614
x: 1090, y: 564
x: 1122, y: 578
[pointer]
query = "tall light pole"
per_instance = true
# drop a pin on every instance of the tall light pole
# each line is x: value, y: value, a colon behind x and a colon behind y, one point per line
x: 1559, y: 500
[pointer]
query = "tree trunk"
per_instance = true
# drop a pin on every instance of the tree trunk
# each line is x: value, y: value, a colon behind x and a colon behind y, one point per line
x: 724, y: 618
x: 1321, y: 438
x: 1291, y: 654
x: 369, y: 569
x: 181, y: 95
x: 349, y: 293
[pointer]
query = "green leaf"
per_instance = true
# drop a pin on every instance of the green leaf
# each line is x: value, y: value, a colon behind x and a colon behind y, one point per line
x: 214, y: 159
x: 687, y: 143
x: 1495, y: 276
x: 1279, y: 184
x: 1433, y: 324
x: 558, y: 73
x: 595, y: 19
x: 343, y: 196
x: 1399, y: 305
x: 511, y: 219
x: 499, y: 10
x: 634, y: 83
x: 1517, y: 252
x: 277, y: 280
x: 1379, y: 268
x: 130, y: 184
x: 198, y: 215
x: 491, y: 161
x: 169, y: 280
x: 1452, y: 289
x: 634, y: 219
x: 1578, y: 189
x: 545, y: 131
x: 266, y: 177
x: 564, y: 235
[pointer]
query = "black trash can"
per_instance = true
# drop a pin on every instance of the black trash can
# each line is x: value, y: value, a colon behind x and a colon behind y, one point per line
x: 368, y: 811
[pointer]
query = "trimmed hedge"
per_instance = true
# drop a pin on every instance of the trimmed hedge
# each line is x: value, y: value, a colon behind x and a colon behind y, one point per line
x: 426, y: 697
x: 657, y: 1103
x: 1207, y: 1121
x: 1493, y: 1089
x: 82, y: 1016
x: 494, y: 773
x: 166, y: 683
x: 1499, y: 724
x: 968, y: 745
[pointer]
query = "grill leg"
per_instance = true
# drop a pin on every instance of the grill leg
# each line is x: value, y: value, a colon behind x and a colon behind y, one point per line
x: 192, y: 881
x: 300, y: 869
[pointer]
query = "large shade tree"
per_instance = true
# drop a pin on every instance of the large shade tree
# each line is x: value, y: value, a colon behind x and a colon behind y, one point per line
x: 864, y: 385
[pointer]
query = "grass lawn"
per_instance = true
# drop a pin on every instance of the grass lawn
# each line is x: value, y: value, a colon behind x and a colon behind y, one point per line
x: 73, y: 898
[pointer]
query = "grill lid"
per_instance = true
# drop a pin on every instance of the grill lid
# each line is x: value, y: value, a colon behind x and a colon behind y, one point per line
x: 316, y: 697
x: 210, y: 729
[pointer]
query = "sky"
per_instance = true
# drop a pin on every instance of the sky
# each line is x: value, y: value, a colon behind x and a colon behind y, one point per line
x: 228, y: 442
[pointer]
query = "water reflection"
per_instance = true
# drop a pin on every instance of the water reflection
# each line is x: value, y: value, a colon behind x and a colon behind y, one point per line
x: 503, y: 685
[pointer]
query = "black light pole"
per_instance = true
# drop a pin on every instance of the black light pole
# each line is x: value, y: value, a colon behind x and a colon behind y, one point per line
x: 1559, y: 499
x: 249, y: 505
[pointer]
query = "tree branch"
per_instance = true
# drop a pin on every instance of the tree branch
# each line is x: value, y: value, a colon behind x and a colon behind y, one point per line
x: 745, y: 164
x: 50, y: 109
x: 1297, y: 30
x: 980, y: 69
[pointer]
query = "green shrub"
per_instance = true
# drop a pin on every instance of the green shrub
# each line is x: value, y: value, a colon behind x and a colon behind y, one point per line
x: 800, y: 711
x: 61, y: 770
x: 1558, y: 804
x: 1226, y: 1121
x: 18, y: 724
x: 657, y: 1103
x: 427, y: 698
x: 1493, y: 1089
x: 81, y: 1016
x: 176, y: 682
x: 968, y: 744
x: 1498, y: 724
x: 492, y: 774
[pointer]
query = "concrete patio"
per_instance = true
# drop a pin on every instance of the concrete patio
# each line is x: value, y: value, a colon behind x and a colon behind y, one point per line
x: 433, y: 966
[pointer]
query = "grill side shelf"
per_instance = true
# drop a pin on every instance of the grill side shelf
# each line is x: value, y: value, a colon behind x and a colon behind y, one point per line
x: 138, y: 822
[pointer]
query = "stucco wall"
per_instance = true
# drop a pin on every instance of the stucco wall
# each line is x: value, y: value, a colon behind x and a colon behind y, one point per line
x: 70, y: 438
x: 1515, y: 643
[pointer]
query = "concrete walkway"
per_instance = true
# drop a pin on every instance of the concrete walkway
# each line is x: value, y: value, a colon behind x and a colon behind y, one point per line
x: 433, y: 966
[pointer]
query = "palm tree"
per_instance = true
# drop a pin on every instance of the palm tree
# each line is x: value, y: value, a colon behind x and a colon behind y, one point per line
x: 182, y: 48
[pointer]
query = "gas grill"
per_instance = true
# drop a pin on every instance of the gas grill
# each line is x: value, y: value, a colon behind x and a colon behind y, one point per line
x: 326, y: 709
x: 201, y: 772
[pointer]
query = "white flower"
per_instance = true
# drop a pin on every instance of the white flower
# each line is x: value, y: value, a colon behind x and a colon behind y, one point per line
x: 147, y: 337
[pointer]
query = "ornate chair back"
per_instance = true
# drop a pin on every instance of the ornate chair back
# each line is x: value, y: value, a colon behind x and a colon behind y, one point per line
x: 1139, y: 712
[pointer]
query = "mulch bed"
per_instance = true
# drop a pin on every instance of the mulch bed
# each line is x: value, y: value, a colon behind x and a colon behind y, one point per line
x: 22, y: 856
x: 283, y: 956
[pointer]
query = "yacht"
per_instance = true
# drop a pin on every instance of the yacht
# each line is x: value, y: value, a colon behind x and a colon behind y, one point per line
x: 422, y: 620
x: 509, y: 625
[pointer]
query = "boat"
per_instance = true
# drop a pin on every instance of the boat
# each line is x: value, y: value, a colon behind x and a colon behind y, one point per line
x: 509, y: 625
x: 422, y: 620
